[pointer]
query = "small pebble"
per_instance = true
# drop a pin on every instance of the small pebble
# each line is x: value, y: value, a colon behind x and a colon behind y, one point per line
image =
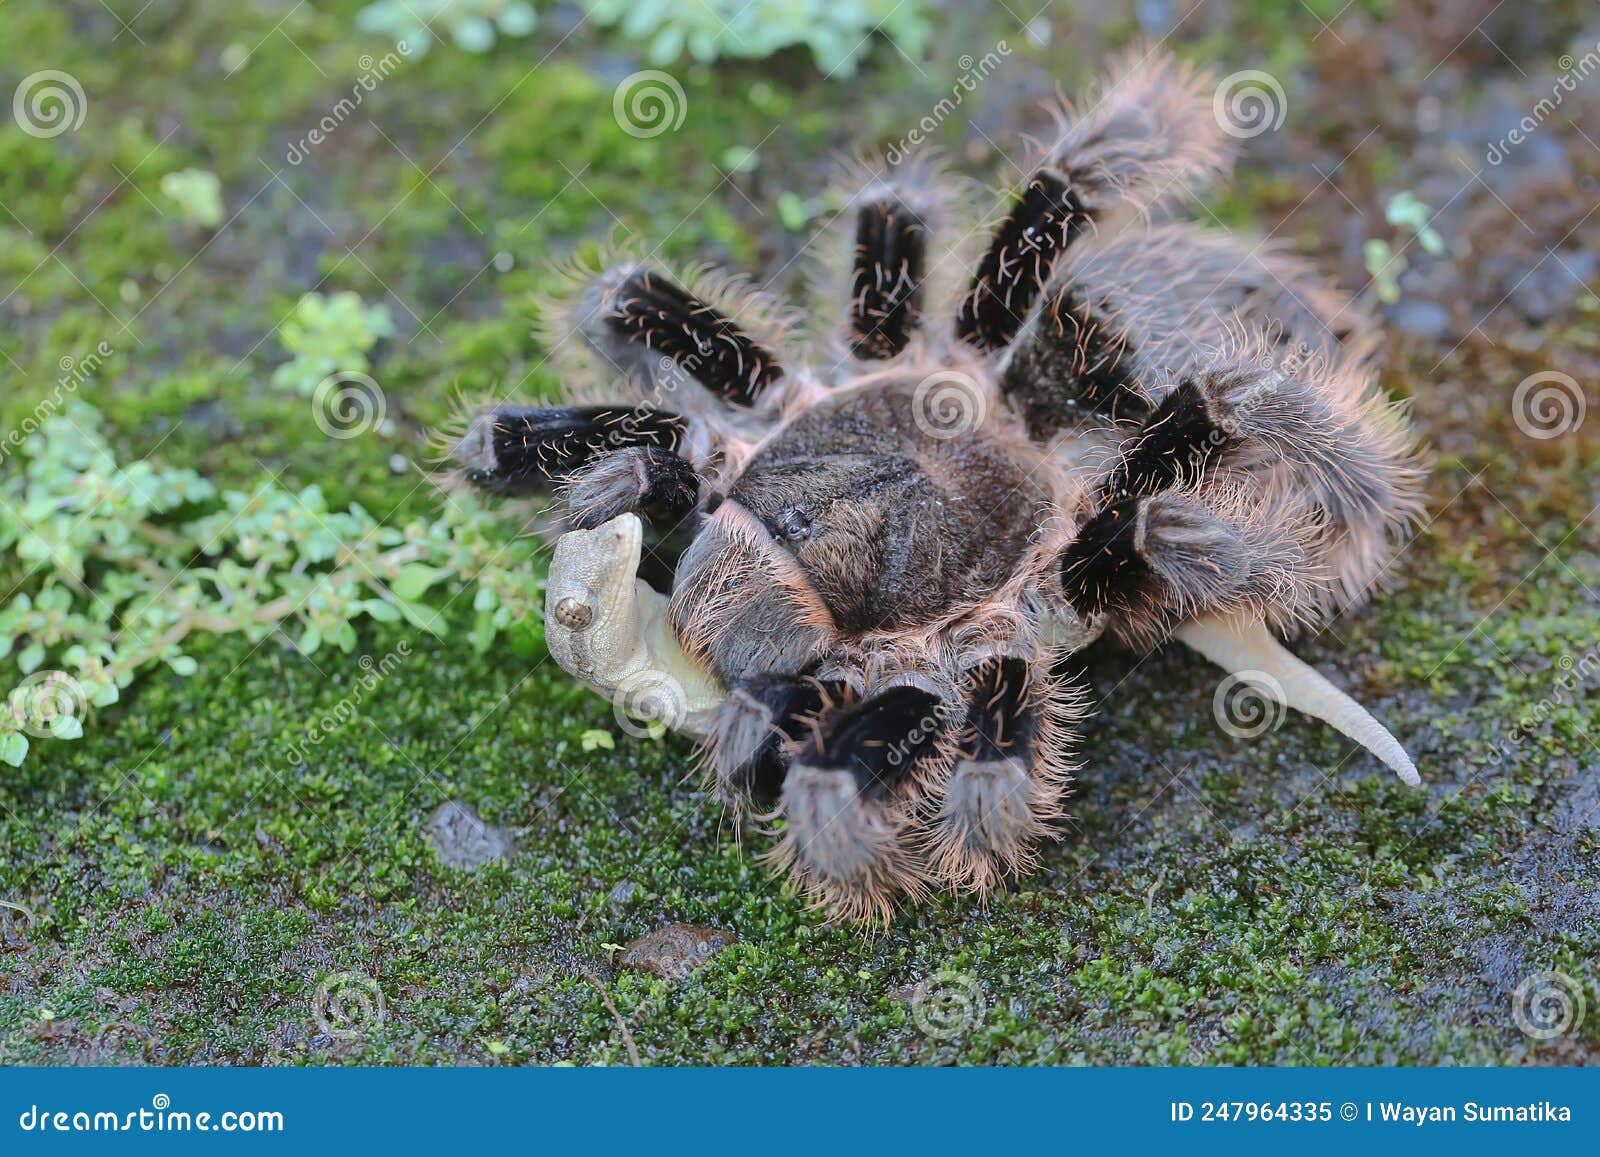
x: 1426, y: 319
x: 463, y: 839
x: 1553, y: 285
x: 674, y: 951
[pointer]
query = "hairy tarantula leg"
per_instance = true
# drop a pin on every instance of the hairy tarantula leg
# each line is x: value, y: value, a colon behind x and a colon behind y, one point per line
x: 640, y: 480
x: 517, y: 450
x: 752, y: 729
x: 1150, y: 127
x: 1041, y: 225
x: 1319, y: 430
x: 886, y: 282
x: 1346, y: 441
x: 651, y: 327
x: 609, y: 630
x: 1151, y: 562
x: 845, y: 801
x: 1247, y: 648
x: 1006, y: 785
x: 1073, y: 362
x: 1173, y: 447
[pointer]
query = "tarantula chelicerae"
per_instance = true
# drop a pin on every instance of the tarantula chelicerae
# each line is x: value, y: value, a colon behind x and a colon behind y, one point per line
x: 899, y: 526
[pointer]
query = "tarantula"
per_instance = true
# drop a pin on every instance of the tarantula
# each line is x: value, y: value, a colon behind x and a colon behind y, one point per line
x: 899, y: 526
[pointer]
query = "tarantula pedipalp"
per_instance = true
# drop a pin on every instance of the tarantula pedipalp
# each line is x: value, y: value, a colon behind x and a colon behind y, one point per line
x: 1151, y: 432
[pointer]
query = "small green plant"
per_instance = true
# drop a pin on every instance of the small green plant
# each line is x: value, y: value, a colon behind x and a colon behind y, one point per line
x: 329, y: 335
x: 198, y: 195
x: 120, y: 564
x: 837, y: 32
x: 474, y: 24
x: 1406, y: 214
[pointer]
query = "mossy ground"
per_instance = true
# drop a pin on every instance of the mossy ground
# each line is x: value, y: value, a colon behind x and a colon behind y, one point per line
x: 1217, y: 900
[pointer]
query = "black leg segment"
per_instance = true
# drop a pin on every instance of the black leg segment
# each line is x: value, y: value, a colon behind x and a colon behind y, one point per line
x: 519, y: 450
x: 650, y: 326
x: 886, y: 284
x: 645, y: 480
x: 1039, y: 228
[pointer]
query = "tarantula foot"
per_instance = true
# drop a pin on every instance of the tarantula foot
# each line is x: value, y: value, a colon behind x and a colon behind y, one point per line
x: 987, y: 823
x: 609, y: 630
x: 845, y: 803
x: 1001, y: 795
x: 843, y: 847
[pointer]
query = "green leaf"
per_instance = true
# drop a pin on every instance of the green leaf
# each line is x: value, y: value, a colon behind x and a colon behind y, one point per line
x: 14, y: 749
x: 425, y: 617
x: 381, y: 611
x: 414, y: 579
x: 30, y: 658
x: 483, y: 631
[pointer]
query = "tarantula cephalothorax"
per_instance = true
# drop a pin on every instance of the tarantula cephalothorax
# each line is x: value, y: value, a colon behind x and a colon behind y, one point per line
x: 898, y: 526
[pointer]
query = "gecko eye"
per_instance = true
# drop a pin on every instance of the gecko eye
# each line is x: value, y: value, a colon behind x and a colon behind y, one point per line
x: 791, y: 525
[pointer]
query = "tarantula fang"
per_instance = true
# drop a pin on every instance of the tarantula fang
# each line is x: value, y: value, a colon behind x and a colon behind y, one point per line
x: 873, y: 542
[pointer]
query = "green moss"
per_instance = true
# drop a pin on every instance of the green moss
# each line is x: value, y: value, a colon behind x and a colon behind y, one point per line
x: 192, y: 882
